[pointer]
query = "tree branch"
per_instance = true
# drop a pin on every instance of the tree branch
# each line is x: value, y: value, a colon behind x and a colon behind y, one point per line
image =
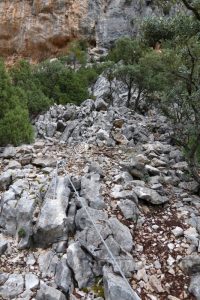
x: 191, y: 8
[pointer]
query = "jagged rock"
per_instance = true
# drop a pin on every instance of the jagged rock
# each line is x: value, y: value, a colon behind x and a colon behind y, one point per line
x: 63, y: 276
x: 25, y: 209
x: 94, y: 167
x: 47, y: 262
x: 191, y: 264
x: 17, y: 215
x: 192, y: 236
x: 79, y: 262
x: 12, y: 287
x: 50, y: 293
x: 30, y: 259
x: 100, y: 104
x: 51, y: 129
x: 118, y: 192
x: 101, y: 88
x: 182, y: 165
x: 31, y: 281
x: 26, y: 295
x: 70, y: 127
x: 135, y: 167
x: 82, y: 219
x: 116, y: 288
x: 88, y: 106
x: 19, y: 186
x: 44, y: 162
x: 90, y: 190
x: 3, y: 246
x: 91, y: 241
x: 3, y: 278
x: 13, y: 164
x: 129, y: 209
x: 150, y: 195
x: 152, y: 170
x: 194, y: 287
x: 51, y: 223
x: 121, y: 234
x: 5, y: 180
x: 156, y: 284
x: 9, y: 152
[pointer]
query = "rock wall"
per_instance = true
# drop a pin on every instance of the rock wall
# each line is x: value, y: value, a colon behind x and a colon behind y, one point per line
x: 42, y: 28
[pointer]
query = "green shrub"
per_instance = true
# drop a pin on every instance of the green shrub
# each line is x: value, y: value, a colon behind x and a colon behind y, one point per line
x: 21, y: 233
x: 15, y: 127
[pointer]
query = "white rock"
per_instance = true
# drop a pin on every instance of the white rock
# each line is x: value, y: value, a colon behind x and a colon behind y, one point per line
x: 177, y: 231
x: 170, y: 246
x: 31, y: 281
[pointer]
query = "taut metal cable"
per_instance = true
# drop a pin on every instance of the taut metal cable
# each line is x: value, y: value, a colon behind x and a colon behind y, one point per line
x: 135, y: 296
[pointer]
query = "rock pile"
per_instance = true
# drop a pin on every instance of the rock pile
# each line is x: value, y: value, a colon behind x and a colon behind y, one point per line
x: 136, y: 188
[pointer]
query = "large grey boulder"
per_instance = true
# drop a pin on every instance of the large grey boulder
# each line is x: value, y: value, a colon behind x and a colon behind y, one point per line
x: 100, y: 104
x: 70, y: 127
x: 121, y: 234
x: 91, y: 241
x: 129, y: 209
x: 82, y: 220
x: 51, y: 227
x: 80, y: 263
x: 63, y: 276
x: 17, y: 214
x: 91, y: 190
x: 118, y: 192
x: 5, y: 180
x: 44, y: 162
x: 101, y: 88
x: 3, y: 246
x: 191, y: 264
x: 31, y: 281
x: 150, y: 195
x: 25, y: 209
x: 194, y: 287
x: 47, y: 263
x: 9, y: 152
x: 12, y: 287
x: 116, y: 288
x: 49, y: 293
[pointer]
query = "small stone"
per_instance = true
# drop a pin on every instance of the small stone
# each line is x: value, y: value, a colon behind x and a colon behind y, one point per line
x: 170, y: 246
x: 177, y: 231
x: 155, y: 227
x: 157, y: 264
x: 30, y: 260
x: 170, y: 260
x: 142, y: 275
x: 156, y: 284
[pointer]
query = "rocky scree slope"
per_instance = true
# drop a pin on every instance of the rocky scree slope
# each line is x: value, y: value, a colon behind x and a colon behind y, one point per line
x: 135, y: 186
x: 41, y: 28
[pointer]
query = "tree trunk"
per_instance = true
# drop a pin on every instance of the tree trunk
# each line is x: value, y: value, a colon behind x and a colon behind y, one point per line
x: 192, y: 161
x: 129, y: 96
x: 137, y: 100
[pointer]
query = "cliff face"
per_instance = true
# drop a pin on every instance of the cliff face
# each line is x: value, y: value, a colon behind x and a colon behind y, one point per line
x: 41, y: 28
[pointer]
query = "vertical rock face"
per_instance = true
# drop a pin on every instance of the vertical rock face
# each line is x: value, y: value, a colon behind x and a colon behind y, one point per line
x: 38, y: 28
x: 41, y: 28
